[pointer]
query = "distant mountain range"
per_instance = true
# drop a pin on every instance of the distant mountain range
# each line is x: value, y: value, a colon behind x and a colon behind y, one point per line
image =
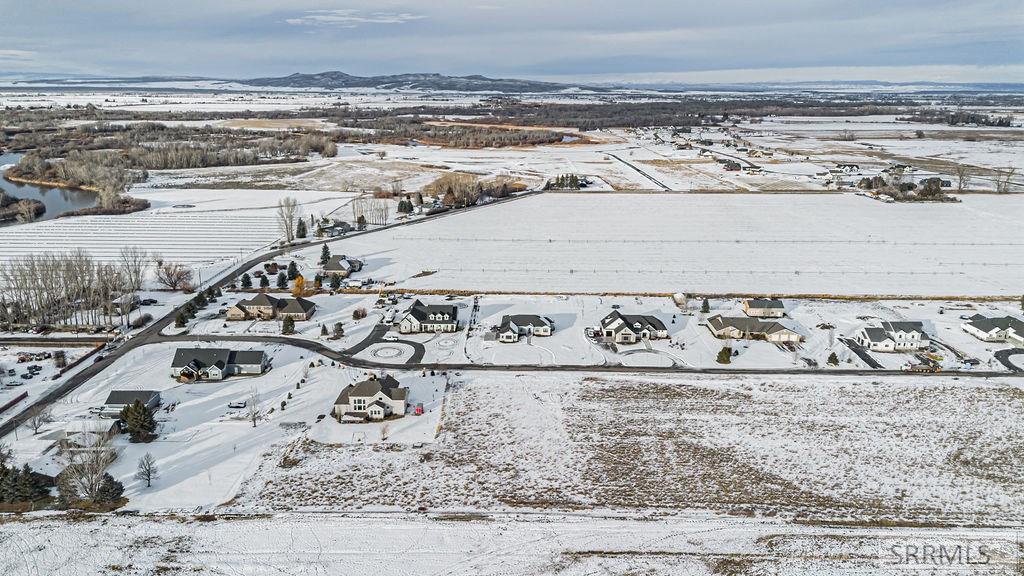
x: 335, y: 80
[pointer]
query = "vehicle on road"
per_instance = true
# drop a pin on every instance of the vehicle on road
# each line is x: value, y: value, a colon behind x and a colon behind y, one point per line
x: 390, y: 338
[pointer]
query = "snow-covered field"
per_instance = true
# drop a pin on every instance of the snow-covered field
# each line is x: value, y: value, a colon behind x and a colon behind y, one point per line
x: 713, y: 243
x: 386, y: 545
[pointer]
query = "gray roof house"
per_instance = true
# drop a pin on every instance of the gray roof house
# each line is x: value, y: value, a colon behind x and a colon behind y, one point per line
x: 632, y: 328
x: 216, y: 363
x: 342, y: 265
x: 1005, y: 329
x: 118, y: 399
x: 893, y: 337
x: 429, y: 318
x: 764, y: 308
x: 372, y: 399
x: 743, y: 328
x: 266, y: 307
x: 515, y: 325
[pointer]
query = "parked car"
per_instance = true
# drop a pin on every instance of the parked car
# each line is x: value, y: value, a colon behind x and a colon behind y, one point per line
x: 237, y: 404
x: 390, y: 338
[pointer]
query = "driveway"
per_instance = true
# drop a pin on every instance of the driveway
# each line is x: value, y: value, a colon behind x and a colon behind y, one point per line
x: 863, y: 353
x: 1004, y: 358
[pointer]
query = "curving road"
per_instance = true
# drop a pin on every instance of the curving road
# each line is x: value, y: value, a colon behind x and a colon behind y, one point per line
x: 1004, y: 358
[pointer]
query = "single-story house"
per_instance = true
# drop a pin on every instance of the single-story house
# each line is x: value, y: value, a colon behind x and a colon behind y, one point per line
x: 342, y: 266
x: 338, y: 228
x: 1005, y: 329
x: 516, y: 325
x: 893, y: 337
x: 764, y: 308
x: 741, y: 328
x: 372, y: 399
x: 632, y: 328
x: 429, y: 318
x: 118, y: 399
x: 265, y: 307
x: 217, y: 363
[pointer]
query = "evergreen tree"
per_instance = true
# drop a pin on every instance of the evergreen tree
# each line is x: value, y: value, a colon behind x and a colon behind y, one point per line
x: 323, y: 330
x: 335, y: 281
x: 300, y: 229
x: 339, y: 329
x: 724, y: 355
x: 833, y: 360
x: 264, y: 281
x: 246, y: 281
x: 705, y: 306
x: 282, y: 280
x: 325, y: 255
x: 138, y: 420
x: 110, y: 490
x: 361, y: 222
x: 180, y: 321
x: 200, y: 300
x: 288, y: 325
x: 293, y: 270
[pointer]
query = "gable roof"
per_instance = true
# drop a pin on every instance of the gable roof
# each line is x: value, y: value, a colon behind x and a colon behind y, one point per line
x: 523, y: 320
x: 340, y: 263
x: 296, y: 306
x: 421, y: 312
x: 201, y: 357
x: 747, y: 325
x: 875, y: 334
x: 988, y: 325
x: 247, y: 357
x: 260, y: 301
x: 765, y: 303
x: 130, y: 396
x: 371, y: 387
x: 907, y: 327
x: 630, y: 321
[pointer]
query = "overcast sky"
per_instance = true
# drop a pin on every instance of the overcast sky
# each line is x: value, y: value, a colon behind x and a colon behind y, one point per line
x: 613, y: 40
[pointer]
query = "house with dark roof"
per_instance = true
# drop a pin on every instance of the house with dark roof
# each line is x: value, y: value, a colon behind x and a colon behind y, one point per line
x: 342, y: 265
x: 429, y: 318
x: 764, y: 308
x: 632, y: 328
x: 118, y: 399
x: 191, y: 364
x: 1005, y: 329
x: 266, y: 307
x: 893, y: 337
x: 514, y: 326
x: 742, y: 328
x: 372, y: 399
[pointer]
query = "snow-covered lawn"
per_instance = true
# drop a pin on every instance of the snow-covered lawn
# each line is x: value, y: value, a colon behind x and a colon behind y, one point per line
x: 813, y: 244
x: 897, y: 447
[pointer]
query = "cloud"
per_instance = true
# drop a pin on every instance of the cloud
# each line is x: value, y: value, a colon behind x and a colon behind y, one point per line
x: 349, y: 18
x: 17, y: 55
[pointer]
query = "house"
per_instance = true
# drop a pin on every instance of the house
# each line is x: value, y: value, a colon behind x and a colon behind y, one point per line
x: 217, y: 363
x: 742, y: 328
x: 1005, y: 329
x: 764, y: 308
x: 265, y: 307
x: 893, y: 337
x: 429, y: 318
x: 516, y: 325
x: 118, y: 399
x: 632, y: 328
x: 337, y: 228
x: 342, y: 266
x: 372, y: 399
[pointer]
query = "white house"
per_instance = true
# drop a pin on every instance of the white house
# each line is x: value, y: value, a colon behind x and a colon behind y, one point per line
x: 429, y: 318
x: 632, y: 328
x: 764, y: 308
x: 740, y: 328
x: 893, y: 337
x: 372, y: 399
x: 516, y: 325
x: 1005, y: 329
x: 216, y: 363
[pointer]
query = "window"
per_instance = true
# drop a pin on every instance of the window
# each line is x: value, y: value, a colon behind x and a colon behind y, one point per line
x: 359, y: 404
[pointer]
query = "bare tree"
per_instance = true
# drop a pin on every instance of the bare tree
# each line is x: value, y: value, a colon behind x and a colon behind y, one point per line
x: 174, y: 276
x: 1004, y: 180
x: 147, y: 471
x: 963, y: 177
x: 38, y: 417
x: 287, y: 212
x: 253, y: 407
x: 26, y: 212
x: 385, y: 431
x: 134, y: 263
x: 6, y: 455
x: 86, y: 465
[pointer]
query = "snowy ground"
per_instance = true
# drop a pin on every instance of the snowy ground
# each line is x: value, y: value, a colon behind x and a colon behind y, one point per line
x: 697, y: 545
x: 13, y: 386
x: 810, y: 244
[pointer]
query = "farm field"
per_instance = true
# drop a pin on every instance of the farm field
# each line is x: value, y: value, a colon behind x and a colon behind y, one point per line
x: 736, y: 243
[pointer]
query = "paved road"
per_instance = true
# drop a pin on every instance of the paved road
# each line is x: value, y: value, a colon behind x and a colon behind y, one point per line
x: 1004, y: 357
x: 863, y: 353
x: 642, y: 173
